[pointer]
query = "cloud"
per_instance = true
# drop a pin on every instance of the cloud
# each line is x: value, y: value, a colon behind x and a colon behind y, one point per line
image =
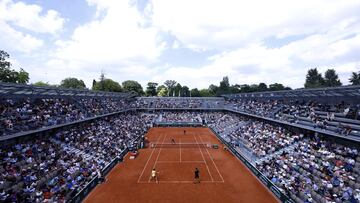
x: 18, y: 20
x: 288, y: 64
x: 229, y: 37
x: 224, y: 24
x: 238, y: 31
x: 116, y: 41
x: 15, y: 40
x: 30, y: 16
x: 117, y: 37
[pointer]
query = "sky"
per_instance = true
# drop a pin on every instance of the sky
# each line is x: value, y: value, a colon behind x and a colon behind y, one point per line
x: 195, y: 42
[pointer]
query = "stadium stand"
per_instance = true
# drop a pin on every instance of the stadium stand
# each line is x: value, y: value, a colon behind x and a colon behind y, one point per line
x: 336, y: 110
x: 55, y: 168
x: 298, y: 139
x: 25, y: 107
x: 180, y: 103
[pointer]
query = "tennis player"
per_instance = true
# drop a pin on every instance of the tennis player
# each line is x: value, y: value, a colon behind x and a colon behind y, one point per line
x: 197, y: 176
x: 172, y: 141
x: 153, y: 175
x: 184, y: 132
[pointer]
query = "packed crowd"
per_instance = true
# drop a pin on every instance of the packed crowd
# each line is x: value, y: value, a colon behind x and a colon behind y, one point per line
x: 31, y: 114
x: 316, y: 171
x: 263, y: 138
x: 55, y: 168
x: 100, y: 106
x: 174, y: 102
x: 341, y: 118
x: 261, y: 108
x: 25, y: 114
x: 189, y: 117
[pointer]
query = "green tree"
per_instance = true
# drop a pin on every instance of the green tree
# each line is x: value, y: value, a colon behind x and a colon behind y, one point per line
x: 224, y: 87
x: 245, y: 88
x: 206, y: 93
x: 10, y: 75
x: 132, y: 86
x: 276, y: 87
x: 161, y: 87
x: 185, y: 92
x: 213, y: 90
x: 254, y: 88
x: 100, y: 84
x: 331, y: 78
x: 93, y: 84
x: 42, y: 84
x: 163, y: 92
x: 262, y: 87
x: 355, y: 78
x: 151, y: 89
x: 314, y: 79
x: 73, y: 83
x: 108, y: 85
x: 170, y: 84
x: 176, y: 90
x: 195, y: 92
x: 234, y: 89
x: 22, y: 76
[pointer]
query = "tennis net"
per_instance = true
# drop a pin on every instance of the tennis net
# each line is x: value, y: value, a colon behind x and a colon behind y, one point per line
x: 180, y: 145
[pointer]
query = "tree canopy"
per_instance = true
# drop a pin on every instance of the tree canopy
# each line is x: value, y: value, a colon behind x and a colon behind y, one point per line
x: 170, y: 84
x: 73, y: 83
x: 7, y: 74
x: 314, y: 79
x: 132, y: 86
x: 163, y: 92
x: 195, y: 92
x: 151, y: 89
x: 43, y: 84
x: 355, y: 78
x: 106, y: 84
x: 331, y: 78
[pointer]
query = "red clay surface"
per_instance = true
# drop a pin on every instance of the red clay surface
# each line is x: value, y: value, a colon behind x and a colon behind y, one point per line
x: 223, y: 177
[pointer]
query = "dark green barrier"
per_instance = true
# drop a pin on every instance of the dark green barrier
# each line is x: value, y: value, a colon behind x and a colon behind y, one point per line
x: 177, y: 124
x: 93, y: 183
x: 84, y: 192
x: 275, y: 190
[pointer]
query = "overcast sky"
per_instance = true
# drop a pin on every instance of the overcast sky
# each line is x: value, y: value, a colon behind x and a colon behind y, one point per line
x: 195, y: 42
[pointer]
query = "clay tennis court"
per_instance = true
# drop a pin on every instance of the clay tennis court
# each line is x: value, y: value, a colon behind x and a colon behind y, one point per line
x: 223, y: 177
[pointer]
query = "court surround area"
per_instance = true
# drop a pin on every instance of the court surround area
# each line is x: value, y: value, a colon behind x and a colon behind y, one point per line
x: 175, y: 156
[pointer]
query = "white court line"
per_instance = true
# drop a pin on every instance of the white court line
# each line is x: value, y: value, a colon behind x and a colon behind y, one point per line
x: 157, y: 158
x: 204, y: 159
x: 180, y: 148
x: 213, y: 162
x: 148, y: 160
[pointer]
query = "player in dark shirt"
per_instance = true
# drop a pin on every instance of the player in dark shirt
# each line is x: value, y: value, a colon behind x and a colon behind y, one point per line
x: 184, y: 132
x: 197, y: 176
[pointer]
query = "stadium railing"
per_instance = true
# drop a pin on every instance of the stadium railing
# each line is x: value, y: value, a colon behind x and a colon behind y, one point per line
x: 275, y: 190
x: 298, y: 126
x: 80, y: 196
